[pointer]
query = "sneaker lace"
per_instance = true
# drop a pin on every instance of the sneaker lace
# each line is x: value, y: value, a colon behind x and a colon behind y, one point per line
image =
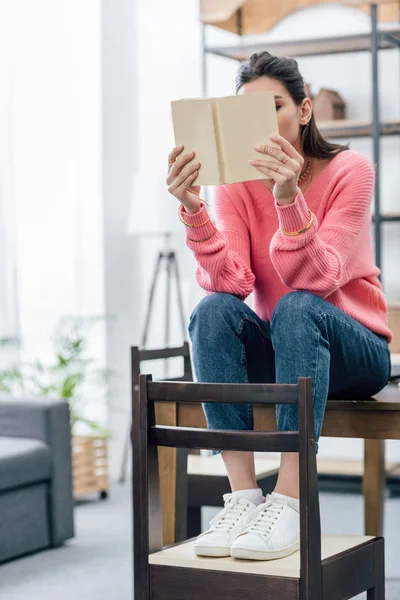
x: 230, y: 515
x: 266, y: 516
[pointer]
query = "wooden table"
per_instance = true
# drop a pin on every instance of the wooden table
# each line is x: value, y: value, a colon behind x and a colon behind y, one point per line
x: 373, y: 420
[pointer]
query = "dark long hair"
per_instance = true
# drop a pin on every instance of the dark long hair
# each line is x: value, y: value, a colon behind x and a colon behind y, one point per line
x: 286, y: 70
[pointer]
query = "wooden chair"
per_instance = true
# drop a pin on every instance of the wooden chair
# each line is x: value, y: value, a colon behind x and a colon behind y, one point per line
x: 197, y: 487
x: 176, y: 457
x: 326, y: 568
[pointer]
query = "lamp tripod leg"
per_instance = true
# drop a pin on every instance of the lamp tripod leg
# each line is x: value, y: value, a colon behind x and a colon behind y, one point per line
x: 151, y: 298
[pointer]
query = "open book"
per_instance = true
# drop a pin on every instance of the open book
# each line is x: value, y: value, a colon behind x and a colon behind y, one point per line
x: 223, y: 133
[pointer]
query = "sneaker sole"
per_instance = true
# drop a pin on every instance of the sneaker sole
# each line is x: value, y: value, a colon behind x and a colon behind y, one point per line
x: 216, y: 552
x: 247, y: 554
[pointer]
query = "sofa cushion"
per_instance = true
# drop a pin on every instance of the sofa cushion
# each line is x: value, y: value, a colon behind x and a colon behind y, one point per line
x: 23, y: 461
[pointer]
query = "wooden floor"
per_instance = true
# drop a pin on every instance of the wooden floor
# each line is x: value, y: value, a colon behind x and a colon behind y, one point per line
x: 182, y: 555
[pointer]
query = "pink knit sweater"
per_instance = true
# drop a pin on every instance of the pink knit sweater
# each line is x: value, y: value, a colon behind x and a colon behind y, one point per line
x: 333, y: 259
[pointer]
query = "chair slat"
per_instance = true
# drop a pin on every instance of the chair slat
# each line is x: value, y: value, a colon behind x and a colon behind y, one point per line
x: 181, y: 378
x: 161, y: 353
x: 206, y: 439
x: 251, y: 393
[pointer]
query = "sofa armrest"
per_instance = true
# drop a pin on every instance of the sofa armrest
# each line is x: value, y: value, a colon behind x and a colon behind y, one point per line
x: 48, y: 420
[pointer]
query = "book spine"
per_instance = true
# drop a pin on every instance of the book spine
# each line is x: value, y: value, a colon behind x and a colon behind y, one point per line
x: 218, y: 140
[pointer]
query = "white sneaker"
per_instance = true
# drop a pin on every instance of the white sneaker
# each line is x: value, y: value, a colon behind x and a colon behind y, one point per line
x: 236, y: 515
x: 273, y: 533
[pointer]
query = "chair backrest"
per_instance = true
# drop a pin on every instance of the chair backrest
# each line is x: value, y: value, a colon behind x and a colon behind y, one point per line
x: 148, y: 436
x: 140, y: 355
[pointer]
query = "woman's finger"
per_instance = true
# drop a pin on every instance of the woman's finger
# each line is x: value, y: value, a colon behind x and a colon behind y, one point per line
x: 279, y: 175
x: 275, y: 167
x: 183, y: 176
x: 286, y: 146
x: 178, y: 165
x: 179, y: 190
x: 172, y: 156
x: 280, y: 156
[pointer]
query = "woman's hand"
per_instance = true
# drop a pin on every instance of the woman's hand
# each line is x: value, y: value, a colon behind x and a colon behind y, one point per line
x: 181, y: 177
x: 284, y: 169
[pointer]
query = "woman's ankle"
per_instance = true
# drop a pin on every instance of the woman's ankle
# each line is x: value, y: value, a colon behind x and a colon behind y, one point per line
x: 241, y: 470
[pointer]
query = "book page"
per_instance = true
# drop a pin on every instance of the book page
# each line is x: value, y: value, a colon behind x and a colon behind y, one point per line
x: 245, y: 121
x: 194, y: 128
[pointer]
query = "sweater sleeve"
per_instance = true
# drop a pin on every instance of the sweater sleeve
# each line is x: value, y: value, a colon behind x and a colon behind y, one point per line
x: 223, y: 253
x: 317, y: 260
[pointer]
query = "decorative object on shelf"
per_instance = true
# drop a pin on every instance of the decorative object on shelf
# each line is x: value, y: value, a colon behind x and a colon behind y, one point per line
x: 250, y: 17
x: 328, y: 105
x: 67, y: 377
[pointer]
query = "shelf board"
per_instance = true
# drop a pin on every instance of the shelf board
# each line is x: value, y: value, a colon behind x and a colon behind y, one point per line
x: 350, y: 128
x: 388, y: 218
x: 318, y: 46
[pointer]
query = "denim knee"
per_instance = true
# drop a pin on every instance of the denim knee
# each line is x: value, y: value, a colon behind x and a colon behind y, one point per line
x: 295, y: 309
x: 297, y: 302
x: 213, y: 312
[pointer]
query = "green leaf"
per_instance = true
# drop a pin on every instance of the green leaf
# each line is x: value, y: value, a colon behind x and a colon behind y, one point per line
x: 69, y: 385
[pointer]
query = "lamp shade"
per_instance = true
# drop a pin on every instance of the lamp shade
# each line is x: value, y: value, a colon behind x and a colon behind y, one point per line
x: 153, y: 210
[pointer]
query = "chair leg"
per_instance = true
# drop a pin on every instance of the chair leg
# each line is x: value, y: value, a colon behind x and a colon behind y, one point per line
x: 167, y: 461
x: 374, y: 486
x: 193, y: 521
x: 181, y: 495
x: 378, y: 591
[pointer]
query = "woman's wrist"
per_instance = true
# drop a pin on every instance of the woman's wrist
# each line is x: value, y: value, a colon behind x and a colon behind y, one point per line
x: 287, y: 201
x: 194, y: 209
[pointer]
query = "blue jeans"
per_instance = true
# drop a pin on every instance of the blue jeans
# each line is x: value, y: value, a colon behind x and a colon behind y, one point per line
x: 307, y: 337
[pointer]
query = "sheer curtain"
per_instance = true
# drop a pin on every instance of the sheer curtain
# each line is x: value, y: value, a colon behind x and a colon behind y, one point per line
x: 9, y: 314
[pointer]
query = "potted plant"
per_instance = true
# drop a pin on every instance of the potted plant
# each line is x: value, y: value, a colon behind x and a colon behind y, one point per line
x: 70, y: 375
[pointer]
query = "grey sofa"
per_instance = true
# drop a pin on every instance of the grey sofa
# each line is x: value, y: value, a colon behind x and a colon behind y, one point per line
x: 36, y: 504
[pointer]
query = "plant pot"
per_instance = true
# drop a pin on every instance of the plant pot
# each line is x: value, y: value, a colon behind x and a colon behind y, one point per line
x: 90, y: 465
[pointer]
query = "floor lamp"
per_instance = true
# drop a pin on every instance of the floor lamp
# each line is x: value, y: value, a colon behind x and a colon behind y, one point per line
x: 166, y: 258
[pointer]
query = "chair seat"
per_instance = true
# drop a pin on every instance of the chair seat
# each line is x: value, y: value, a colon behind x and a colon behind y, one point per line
x: 182, y: 555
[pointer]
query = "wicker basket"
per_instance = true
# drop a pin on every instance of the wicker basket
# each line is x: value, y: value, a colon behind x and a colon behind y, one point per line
x: 90, y: 465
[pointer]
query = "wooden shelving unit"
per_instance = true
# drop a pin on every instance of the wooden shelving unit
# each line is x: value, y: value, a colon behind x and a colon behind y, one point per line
x: 310, y: 47
x: 356, y: 129
x: 380, y: 38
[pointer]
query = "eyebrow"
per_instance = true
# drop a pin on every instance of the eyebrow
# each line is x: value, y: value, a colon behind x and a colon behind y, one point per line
x: 278, y: 97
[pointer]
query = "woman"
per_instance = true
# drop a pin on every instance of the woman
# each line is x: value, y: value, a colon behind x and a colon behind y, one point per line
x: 300, y: 239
